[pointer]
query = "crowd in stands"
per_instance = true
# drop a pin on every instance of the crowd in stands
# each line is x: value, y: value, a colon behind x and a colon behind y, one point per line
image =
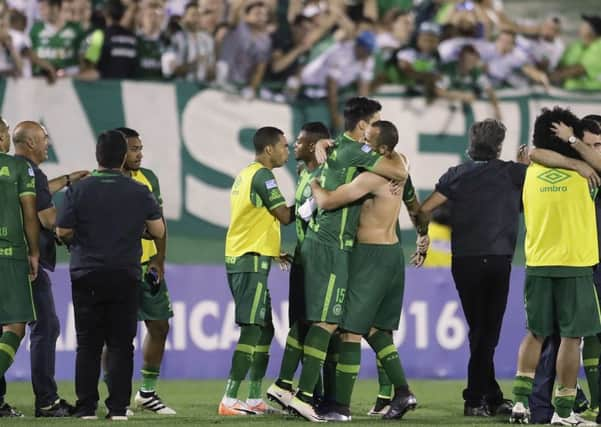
x: 288, y: 49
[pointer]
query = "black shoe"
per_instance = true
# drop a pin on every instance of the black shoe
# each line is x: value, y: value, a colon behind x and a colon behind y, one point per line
x: 400, y: 404
x: 8, y: 411
x: 337, y: 412
x: 502, y: 408
x: 85, y: 414
x: 324, y: 406
x: 381, y: 406
x: 477, y: 411
x: 60, y: 408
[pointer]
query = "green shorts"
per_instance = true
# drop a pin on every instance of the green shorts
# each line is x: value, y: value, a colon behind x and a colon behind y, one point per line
x: 374, y: 297
x: 16, y: 304
x: 326, y: 276
x: 563, y: 298
x: 154, y: 307
x: 251, y: 296
x: 296, y: 294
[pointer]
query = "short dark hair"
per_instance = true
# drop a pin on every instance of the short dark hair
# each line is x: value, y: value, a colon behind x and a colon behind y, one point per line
x: 485, y: 139
x: 111, y: 149
x: 128, y: 132
x: 56, y: 3
x: 316, y: 131
x: 357, y: 109
x: 252, y: 5
x: 468, y: 48
x: 265, y: 136
x: 593, y: 117
x: 389, y: 135
x: 591, y: 126
x: 115, y: 10
x: 190, y: 5
x: 543, y: 136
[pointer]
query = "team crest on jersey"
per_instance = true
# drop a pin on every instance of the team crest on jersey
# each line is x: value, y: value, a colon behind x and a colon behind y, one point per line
x: 30, y: 171
x: 271, y: 184
x: 366, y: 148
x: 307, y: 191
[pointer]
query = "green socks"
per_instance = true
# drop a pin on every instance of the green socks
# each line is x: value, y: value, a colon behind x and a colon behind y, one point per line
x: 259, y: 362
x: 316, y: 345
x: 591, y: 350
x: 522, y: 388
x: 388, y: 356
x: 385, y: 386
x: 293, y: 352
x: 150, y: 375
x: 9, y: 343
x: 329, y: 368
x: 347, y: 370
x: 564, y: 400
x: 242, y: 358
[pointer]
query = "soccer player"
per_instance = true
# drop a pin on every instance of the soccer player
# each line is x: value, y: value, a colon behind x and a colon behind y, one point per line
x: 374, y: 297
x: 329, y: 240
x: 155, y: 305
x: 253, y: 239
x: 541, y: 410
x: 559, y: 292
x: 19, y: 252
x: 304, y: 150
x: 31, y: 144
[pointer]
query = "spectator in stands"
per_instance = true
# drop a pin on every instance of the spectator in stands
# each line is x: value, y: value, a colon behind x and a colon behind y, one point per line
x: 192, y: 53
x: 340, y: 66
x: 465, y: 80
x: 151, y: 42
x: 546, y: 47
x: 111, y: 53
x: 292, y: 52
x: 57, y: 41
x: 246, y: 50
x: 580, y: 67
x: 507, y: 65
x: 82, y: 13
x: 212, y: 20
x: 10, y: 59
x: 419, y: 65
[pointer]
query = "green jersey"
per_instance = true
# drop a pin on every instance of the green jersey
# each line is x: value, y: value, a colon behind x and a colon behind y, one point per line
x: 16, y: 180
x: 474, y: 81
x: 59, y: 47
x: 150, y: 51
x: 302, y: 196
x: 338, y: 227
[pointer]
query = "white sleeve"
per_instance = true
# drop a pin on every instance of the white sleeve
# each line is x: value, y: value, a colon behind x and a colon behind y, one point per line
x: 367, y: 73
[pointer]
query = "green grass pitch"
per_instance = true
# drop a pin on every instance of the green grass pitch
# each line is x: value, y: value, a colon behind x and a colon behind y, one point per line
x: 196, y: 402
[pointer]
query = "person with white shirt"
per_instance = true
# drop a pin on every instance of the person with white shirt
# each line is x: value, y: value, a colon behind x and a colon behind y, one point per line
x: 192, y: 53
x: 341, y: 65
x: 546, y: 48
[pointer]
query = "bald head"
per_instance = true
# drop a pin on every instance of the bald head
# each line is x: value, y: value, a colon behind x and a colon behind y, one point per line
x: 31, y: 141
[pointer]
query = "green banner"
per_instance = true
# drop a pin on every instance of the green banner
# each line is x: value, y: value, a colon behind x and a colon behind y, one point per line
x: 197, y: 140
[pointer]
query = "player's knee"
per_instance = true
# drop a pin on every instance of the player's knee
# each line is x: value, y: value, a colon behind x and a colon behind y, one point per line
x: 158, y: 329
x: 330, y: 327
x: 16, y: 328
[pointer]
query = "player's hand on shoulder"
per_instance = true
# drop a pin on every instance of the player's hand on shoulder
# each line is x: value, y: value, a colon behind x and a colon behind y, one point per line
x: 321, y: 150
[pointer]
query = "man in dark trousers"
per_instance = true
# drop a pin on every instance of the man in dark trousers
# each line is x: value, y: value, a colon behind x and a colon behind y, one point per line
x: 103, y: 219
x: 31, y: 143
x: 486, y: 194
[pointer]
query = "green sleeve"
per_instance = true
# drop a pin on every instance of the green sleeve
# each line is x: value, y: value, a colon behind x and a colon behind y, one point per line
x: 408, y: 191
x: 572, y: 54
x: 265, y: 191
x: 94, y: 46
x: 591, y: 61
x: 154, y: 182
x: 360, y: 156
x: 25, y: 179
x: 34, y: 35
